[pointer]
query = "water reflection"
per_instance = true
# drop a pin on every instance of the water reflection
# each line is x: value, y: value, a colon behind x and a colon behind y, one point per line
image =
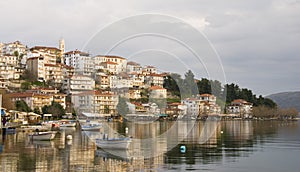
x: 229, y: 141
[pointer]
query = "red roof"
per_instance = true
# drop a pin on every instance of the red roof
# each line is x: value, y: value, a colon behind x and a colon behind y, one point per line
x: 156, y: 88
x: 43, y: 47
x: 77, y: 52
x: 206, y: 95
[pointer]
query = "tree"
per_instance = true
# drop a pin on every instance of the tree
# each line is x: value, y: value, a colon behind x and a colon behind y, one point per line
x: 189, y: 87
x: 26, y: 86
x: 22, y: 106
x: 37, y: 110
x: 55, y: 109
x: 172, y: 82
x: 122, y: 106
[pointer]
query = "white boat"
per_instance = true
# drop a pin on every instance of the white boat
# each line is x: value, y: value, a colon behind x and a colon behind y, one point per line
x: 48, y: 135
x: 67, y: 123
x: 113, y: 143
x: 91, y: 126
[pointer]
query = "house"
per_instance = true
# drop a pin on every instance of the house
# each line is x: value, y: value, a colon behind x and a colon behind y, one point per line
x: 114, y: 64
x: 149, y: 70
x: 33, y: 100
x: 240, y: 107
x: 157, y: 92
x: 133, y: 67
x: 208, y: 105
x: 53, y: 92
x: 176, y: 109
x: 134, y: 93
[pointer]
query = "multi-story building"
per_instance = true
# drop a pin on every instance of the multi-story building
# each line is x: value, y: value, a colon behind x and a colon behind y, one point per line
x: 53, y: 92
x: 240, y: 107
x: 78, y: 83
x: 118, y: 63
x: 149, y: 70
x: 134, y: 93
x: 154, y: 79
x: 38, y: 100
x: 176, y: 109
x: 50, y: 54
x: 33, y: 100
x: 192, y: 105
x: 16, y: 49
x: 95, y: 102
x: 82, y: 62
x: 53, y: 73
x: 36, y: 67
x: 133, y: 67
x: 102, y: 80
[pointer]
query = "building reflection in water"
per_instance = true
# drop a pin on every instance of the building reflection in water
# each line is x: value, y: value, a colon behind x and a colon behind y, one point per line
x: 154, y: 146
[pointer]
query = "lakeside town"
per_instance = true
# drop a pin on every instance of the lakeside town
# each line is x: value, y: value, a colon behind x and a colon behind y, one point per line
x: 51, y: 82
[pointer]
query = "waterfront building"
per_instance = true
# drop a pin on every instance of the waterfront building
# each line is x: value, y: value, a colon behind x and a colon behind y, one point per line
x: 240, y: 107
x: 192, y: 105
x: 95, y: 102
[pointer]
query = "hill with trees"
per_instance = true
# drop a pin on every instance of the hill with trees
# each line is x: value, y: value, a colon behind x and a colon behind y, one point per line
x: 287, y: 99
x: 189, y: 86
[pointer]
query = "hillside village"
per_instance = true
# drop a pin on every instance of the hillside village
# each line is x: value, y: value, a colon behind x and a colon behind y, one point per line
x: 92, y: 84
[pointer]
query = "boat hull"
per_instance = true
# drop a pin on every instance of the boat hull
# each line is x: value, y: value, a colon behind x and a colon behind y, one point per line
x: 113, y: 143
x: 42, y: 136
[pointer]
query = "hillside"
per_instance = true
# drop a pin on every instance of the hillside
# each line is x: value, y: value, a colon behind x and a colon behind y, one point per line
x: 287, y: 99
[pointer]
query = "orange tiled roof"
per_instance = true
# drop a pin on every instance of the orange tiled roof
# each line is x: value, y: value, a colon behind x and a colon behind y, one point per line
x: 156, y: 88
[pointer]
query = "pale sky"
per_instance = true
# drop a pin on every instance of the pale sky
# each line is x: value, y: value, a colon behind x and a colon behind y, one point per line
x: 256, y: 40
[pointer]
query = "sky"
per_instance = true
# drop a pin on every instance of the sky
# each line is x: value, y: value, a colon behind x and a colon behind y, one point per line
x: 253, y: 43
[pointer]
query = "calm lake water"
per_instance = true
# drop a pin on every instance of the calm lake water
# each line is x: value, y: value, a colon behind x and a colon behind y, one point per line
x: 267, y: 146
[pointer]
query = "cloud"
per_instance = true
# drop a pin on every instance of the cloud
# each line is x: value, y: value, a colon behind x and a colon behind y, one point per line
x: 257, y: 40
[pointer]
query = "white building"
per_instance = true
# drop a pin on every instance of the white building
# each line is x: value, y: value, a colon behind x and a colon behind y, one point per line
x: 80, y: 61
x: 192, y: 105
x: 95, y: 102
x: 79, y: 83
x: 153, y: 79
x: 241, y: 107
x: 133, y: 67
x: 11, y: 48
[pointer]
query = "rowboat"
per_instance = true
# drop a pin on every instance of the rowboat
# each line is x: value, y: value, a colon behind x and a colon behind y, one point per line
x: 48, y: 135
x: 113, y: 143
x: 67, y: 123
x: 91, y: 127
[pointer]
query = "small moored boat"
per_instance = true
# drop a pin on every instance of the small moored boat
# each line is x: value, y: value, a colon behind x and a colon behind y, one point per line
x: 67, y: 123
x: 48, y: 135
x: 91, y: 126
x: 113, y: 143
